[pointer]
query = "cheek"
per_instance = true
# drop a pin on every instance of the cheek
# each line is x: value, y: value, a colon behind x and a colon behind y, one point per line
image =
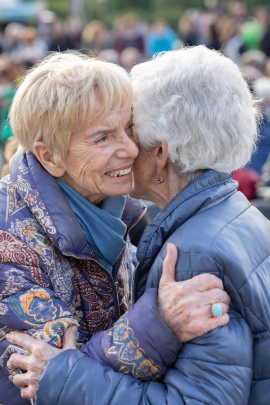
x: 88, y: 162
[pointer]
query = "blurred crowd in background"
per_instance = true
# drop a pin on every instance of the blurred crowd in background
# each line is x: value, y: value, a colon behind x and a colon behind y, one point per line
x: 242, y: 36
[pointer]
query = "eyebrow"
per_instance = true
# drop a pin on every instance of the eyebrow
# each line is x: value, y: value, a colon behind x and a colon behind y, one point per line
x: 105, y: 132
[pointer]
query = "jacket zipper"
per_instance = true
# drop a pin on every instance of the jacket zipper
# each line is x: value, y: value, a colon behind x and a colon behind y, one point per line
x: 144, y: 211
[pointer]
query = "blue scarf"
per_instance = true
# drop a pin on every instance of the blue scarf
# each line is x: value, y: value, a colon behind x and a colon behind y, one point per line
x: 103, y: 227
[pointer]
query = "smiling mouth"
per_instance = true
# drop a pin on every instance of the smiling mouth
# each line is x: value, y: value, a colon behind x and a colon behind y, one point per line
x: 119, y: 173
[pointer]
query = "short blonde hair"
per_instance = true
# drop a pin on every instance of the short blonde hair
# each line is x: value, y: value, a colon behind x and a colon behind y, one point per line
x: 64, y: 94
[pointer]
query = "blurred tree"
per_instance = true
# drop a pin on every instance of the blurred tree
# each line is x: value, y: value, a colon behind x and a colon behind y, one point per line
x: 108, y: 9
x: 60, y: 7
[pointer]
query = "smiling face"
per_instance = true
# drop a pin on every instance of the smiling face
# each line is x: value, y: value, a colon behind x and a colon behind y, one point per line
x: 100, y: 159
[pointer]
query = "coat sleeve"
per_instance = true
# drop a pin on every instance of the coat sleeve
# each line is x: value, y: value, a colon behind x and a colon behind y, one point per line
x: 214, y: 369
x: 129, y: 348
x: 26, y: 305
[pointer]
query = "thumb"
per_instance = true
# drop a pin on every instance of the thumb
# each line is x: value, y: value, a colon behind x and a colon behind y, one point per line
x: 70, y: 338
x: 168, y: 269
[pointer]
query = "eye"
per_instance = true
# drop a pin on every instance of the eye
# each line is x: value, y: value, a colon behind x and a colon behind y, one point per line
x: 104, y: 138
x: 129, y: 129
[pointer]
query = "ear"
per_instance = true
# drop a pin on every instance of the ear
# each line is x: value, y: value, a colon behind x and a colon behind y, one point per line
x: 50, y: 160
x: 161, y: 156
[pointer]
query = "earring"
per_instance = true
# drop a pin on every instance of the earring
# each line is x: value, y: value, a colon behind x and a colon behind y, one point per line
x: 159, y: 181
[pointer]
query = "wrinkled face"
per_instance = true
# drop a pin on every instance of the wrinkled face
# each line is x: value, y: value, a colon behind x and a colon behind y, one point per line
x: 100, y: 159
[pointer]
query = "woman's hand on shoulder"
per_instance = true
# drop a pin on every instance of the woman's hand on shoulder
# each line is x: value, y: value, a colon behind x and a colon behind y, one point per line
x: 189, y: 307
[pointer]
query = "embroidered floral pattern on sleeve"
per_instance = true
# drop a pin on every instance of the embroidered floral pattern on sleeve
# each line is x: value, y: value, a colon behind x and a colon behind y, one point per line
x: 131, y: 358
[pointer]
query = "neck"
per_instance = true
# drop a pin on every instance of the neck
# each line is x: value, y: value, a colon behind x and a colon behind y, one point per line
x: 162, y: 194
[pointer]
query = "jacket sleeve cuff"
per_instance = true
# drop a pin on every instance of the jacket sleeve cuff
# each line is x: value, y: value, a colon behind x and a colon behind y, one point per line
x: 139, y: 344
x: 154, y: 337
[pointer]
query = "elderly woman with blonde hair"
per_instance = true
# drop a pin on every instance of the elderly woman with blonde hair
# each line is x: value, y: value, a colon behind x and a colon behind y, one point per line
x: 66, y: 257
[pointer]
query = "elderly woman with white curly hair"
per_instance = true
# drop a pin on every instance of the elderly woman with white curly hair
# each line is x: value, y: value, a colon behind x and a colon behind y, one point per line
x: 195, y: 123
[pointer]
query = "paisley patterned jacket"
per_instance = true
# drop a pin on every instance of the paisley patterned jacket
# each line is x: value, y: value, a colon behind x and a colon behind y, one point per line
x: 50, y: 279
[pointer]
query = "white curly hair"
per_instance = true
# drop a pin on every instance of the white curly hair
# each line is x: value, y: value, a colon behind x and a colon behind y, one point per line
x: 197, y: 100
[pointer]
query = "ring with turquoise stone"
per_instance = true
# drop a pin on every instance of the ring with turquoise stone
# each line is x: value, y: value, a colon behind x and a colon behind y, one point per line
x: 216, y: 309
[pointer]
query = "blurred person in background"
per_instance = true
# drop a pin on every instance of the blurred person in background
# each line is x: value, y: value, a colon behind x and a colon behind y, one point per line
x: 129, y: 58
x: 265, y: 40
x: 7, y: 91
x: 13, y: 35
x: 110, y: 55
x: 128, y: 33
x: 33, y: 48
x: 74, y: 26
x: 237, y: 10
x: 254, y: 29
x: 231, y: 39
x: 186, y: 28
x: 95, y: 37
x: 262, y: 91
x: 256, y: 59
x: 267, y: 68
x: 11, y: 148
x: 160, y: 38
x: 59, y: 38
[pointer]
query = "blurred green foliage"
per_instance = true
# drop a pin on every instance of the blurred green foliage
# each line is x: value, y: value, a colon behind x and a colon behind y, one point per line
x: 60, y: 7
x: 109, y: 10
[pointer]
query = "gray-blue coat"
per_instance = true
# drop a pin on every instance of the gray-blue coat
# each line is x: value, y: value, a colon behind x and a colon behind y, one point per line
x: 216, y: 230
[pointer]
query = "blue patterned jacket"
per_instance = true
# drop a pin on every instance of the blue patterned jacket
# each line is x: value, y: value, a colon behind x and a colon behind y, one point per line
x: 50, y: 279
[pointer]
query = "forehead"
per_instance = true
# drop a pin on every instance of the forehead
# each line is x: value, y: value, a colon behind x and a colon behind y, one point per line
x: 115, y: 119
x: 111, y: 122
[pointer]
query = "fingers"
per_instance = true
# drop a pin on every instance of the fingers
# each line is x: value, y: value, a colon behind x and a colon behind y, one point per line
x: 29, y: 392
x: 206, y: 281
x: 203, y: 314
x: 21, y: 380
x: 218, y: 321
x: 168, y: 269
x: 18, y: 361
x: 215, y: 296
x: 70, y: 338
x: 21, y: 339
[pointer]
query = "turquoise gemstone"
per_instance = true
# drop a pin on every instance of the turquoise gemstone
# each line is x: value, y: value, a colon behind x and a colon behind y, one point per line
x: 217, y: 310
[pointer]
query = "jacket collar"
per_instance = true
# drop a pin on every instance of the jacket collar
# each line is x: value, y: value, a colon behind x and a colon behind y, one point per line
x: 45, y: 199
x: 206, y: 190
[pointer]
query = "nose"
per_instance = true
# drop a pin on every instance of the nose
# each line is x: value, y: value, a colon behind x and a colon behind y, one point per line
x: 128, y: 148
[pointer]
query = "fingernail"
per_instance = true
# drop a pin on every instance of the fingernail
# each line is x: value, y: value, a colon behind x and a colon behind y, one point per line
x: 168, y: 247
x: 217, y: 310
x: 9, y: 336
